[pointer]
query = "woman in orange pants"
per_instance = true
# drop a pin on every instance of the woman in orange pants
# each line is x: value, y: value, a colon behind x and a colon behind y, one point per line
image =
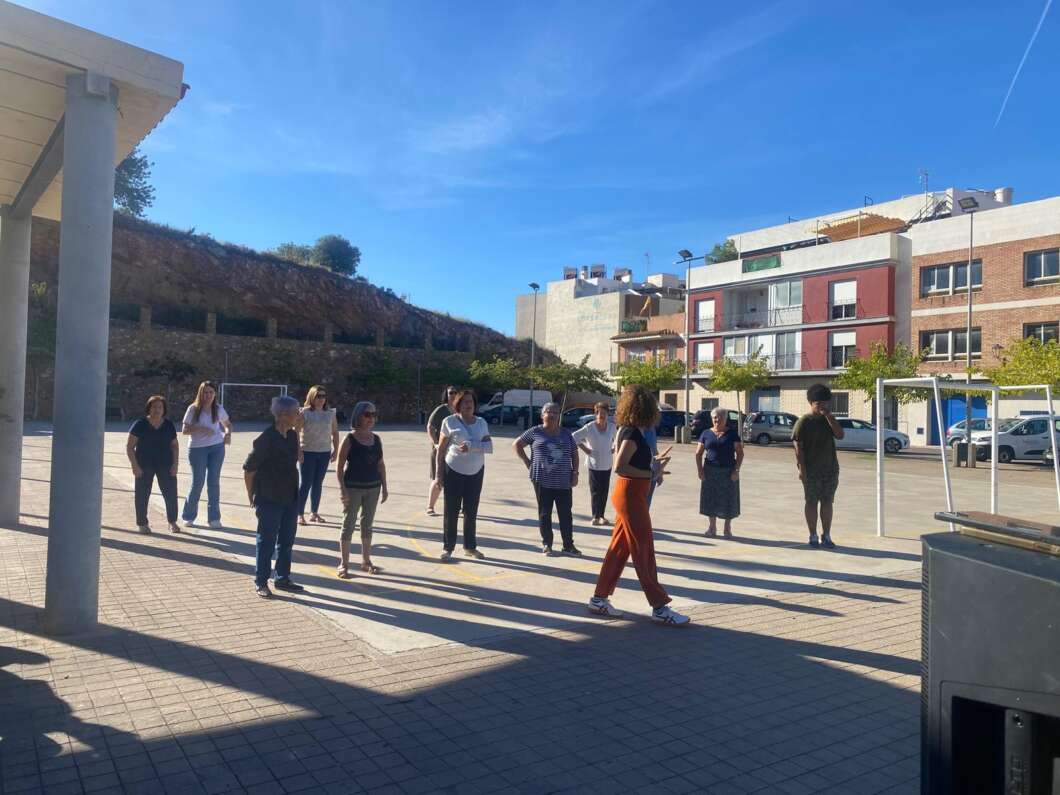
x: 636, y: 468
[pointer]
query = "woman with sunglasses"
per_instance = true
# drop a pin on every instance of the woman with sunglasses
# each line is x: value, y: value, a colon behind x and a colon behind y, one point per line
x: 362, y: 484
x: 319, y: 447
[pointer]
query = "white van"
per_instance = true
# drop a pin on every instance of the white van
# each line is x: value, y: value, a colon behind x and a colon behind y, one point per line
x: 518, y: 397
x: 1024, y: 440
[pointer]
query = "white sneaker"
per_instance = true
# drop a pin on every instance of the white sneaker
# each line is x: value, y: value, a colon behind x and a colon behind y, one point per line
x: 664, y: 615
x: 216, y: 524
x: 189, y: 523
x: 603, y: 607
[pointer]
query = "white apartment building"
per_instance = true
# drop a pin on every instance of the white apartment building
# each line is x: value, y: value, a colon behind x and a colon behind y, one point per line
x: 578, y: 315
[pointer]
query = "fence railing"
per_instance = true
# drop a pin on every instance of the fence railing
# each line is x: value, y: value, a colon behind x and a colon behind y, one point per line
x: 785, y: 316
x: 778, y: 362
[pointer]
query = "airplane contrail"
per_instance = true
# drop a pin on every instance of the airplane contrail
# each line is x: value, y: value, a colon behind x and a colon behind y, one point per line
x: 1019, y: 68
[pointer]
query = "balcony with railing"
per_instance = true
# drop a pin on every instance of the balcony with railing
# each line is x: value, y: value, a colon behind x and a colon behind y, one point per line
x: 659, y: 359
x: 777, y: 362
x: 785, y: 316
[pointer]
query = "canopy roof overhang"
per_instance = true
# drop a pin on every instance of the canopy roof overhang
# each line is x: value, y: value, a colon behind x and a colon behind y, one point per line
x: 37, y: 53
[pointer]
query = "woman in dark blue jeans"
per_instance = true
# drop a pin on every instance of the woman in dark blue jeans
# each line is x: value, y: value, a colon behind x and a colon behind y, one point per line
x: 207, y: 423
x: 271, y: 477
x: 319, y: 447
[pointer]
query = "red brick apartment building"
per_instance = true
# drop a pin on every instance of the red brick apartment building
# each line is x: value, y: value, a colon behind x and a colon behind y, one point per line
x: 1015, y: 293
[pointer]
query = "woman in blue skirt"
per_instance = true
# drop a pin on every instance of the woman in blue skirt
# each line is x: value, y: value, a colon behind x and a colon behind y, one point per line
x: 718, y: 458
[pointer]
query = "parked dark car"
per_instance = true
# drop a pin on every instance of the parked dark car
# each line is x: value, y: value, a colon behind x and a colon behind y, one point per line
x: 668, y: 420
x: 509, y: 415
x: 702, y: 421
x: 570, y: 418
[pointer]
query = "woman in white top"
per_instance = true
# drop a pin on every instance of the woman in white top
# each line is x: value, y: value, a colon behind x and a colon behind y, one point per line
x: 207, y: 423
x: 319, y: 446
x: 463, y: 441
x: 597, y: 440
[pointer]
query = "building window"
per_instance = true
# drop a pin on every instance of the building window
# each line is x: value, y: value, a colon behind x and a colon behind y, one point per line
x: 844, y: 299
x: 704, y: 355
x: 787, y: 356
x: 1041, y: 267
x: 950, y: 345
x: 785, y: 303
x: 960, y: 343
x: 705, y: 315
x: 708, y: 404
x: 840, y: 404
x: 670, y: 398
x: 950, y: 278
x: 736, y: 347
x: 1043, y: 331
x: 843, y: 348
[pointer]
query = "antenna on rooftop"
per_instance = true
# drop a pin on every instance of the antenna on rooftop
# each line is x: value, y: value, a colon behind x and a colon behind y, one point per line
x: 647, y: 265
x: 924, y: 179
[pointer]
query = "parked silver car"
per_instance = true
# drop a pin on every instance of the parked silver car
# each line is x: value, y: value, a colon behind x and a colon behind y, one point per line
x: 765, y: 427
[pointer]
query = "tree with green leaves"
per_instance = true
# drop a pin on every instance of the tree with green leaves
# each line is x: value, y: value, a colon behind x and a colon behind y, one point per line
x: 497, y: 375
x: 294, y: 252
x: 1027, y: 361
x: 723, y: 252
x: 133, y: 192
x: 40, y: 337
x: 565, y: 377
x: 861, y: 372
x: 729, y: 375
x: 337, y: 254
x: 650, y: 373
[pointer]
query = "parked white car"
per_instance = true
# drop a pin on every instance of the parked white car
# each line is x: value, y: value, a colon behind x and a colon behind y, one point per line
x: 1024, y: 440
x: 955, y: 433
x: 861, y: 435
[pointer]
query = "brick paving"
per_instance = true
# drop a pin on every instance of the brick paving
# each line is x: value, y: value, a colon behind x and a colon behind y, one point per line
x: 193, y: 686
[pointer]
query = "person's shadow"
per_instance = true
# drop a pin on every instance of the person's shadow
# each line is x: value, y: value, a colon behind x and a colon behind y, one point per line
x: 30, y: 710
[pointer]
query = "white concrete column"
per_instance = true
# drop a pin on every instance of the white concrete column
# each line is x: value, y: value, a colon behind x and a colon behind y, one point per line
x: 72, y: 593
x: 14, y: 298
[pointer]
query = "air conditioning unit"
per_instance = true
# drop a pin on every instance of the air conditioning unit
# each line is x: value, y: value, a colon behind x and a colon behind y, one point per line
x: 570, y: 273
x: 597, y: 271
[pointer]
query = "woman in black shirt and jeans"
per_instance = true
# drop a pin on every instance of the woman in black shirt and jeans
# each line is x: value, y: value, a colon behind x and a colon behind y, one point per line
x: 153, y: 452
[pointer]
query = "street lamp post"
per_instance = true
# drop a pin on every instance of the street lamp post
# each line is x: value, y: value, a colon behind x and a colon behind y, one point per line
x: 969, y: 205
x: 686, y: 258
x: 533, y: 345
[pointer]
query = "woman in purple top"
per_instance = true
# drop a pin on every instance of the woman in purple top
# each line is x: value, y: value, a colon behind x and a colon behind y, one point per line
x: 718, y: 458
x: 553, y: 465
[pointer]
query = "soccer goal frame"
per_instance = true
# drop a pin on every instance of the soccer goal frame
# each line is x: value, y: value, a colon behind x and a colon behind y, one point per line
x: 937, y: 386
x: 281, y: 387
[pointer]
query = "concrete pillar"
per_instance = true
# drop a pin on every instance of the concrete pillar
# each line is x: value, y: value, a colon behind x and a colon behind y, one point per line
x: 211, y: 322
x: 270, y: 328
x: 329, y: 333
x: 145, y: 318
x: 14, y: 306
x: 71, y: 601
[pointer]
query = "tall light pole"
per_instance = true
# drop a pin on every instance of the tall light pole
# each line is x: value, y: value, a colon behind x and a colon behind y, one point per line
x: 686, y: 258
x: 969, y: 205
x: 533, y: 345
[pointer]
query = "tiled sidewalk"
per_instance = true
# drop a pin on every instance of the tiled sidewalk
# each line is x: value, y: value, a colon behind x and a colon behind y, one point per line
x: 193, y: 685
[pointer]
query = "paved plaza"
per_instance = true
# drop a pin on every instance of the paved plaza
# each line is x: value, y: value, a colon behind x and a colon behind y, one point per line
x: 800, y: 673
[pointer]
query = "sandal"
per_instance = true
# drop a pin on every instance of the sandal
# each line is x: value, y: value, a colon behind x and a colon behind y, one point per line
x: 431, y: 512
x: 302, y: 521
x: 711, y: 534
x: 317, y: 518
x: 368, y: 568
x: 343, y: 572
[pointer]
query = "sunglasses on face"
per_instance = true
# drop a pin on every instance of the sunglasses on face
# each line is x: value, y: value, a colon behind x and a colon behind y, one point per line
x: 369, y: 414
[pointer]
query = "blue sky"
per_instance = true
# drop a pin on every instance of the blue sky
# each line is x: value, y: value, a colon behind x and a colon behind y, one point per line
x: 469, y: 148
